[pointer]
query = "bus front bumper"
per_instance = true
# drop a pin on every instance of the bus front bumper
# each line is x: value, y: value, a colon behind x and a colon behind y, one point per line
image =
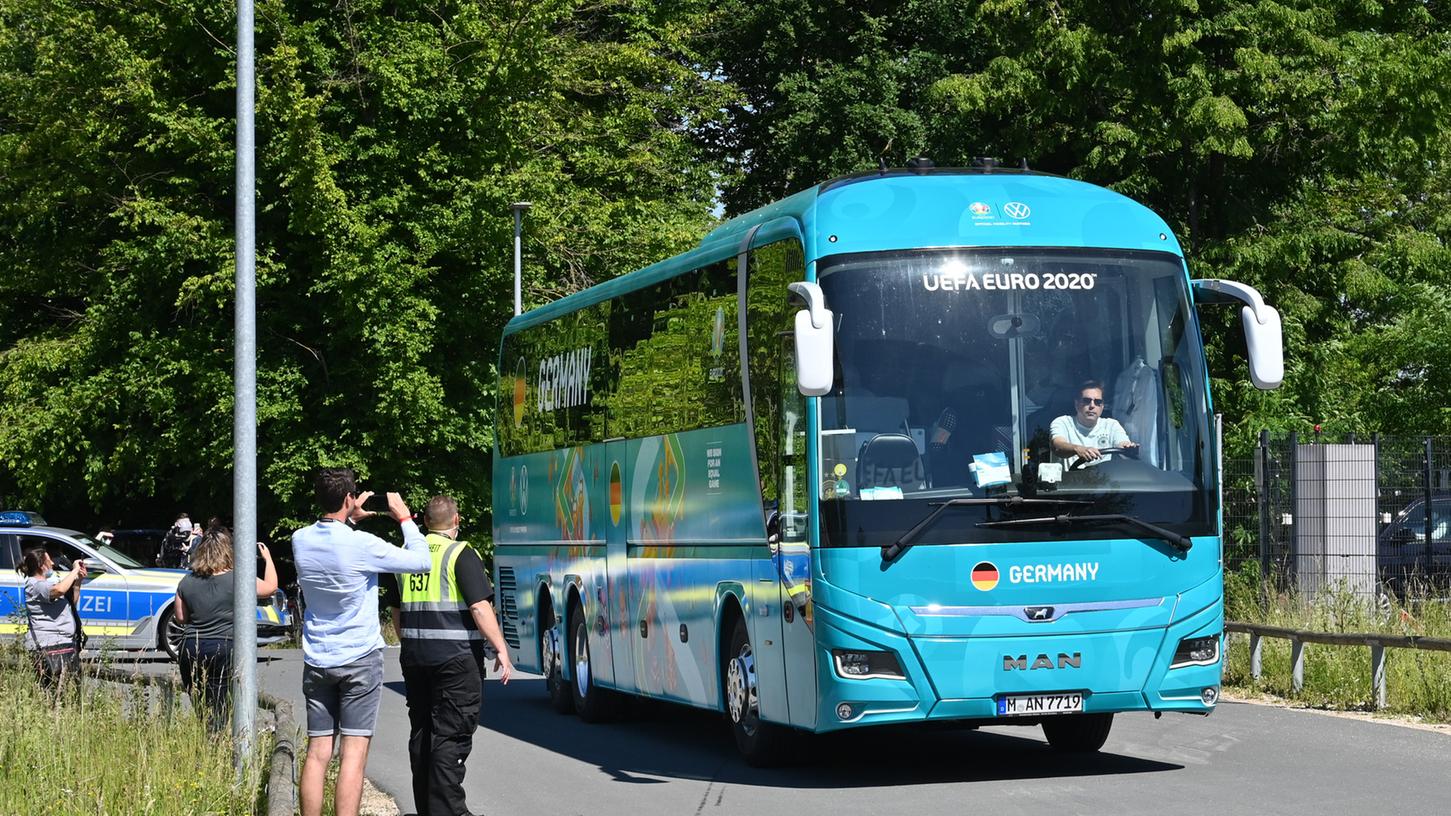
x: 960, y: 678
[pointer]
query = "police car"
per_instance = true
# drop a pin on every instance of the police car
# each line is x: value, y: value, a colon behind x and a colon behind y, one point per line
x: 124, y: 605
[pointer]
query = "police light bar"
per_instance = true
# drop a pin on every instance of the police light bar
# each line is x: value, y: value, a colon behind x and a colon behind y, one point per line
x: 14, y: 518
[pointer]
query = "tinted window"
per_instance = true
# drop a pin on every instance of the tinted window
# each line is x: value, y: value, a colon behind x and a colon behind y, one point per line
x: 551, y: 381
x: 675, y: 356
x: 61, y: 552
x: 772, y: 269
x: 662, y: 359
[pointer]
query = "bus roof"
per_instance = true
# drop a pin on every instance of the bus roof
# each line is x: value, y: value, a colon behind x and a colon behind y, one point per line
x: 902, y: 209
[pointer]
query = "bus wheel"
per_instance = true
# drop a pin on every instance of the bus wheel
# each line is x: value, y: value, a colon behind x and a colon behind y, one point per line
x: 592, y: 703
x: 551, y: 655
x: 1077, y: 733
x: 760, y: 743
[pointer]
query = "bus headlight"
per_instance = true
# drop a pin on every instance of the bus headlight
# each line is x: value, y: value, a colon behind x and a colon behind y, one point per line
x: 1196, y: 651
x: 854, y: 664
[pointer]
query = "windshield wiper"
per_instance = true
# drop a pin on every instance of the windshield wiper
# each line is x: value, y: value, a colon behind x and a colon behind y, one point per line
x: 1182, y: 543
x: 905, y: 540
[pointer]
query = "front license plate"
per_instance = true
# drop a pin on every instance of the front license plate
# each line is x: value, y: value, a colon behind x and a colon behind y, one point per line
x: 1028, y: 704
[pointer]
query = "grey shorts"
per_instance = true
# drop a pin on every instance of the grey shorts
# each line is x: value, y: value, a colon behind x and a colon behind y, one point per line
x: 344, y: 699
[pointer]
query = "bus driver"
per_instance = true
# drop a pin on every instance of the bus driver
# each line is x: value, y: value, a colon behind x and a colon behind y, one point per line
x: 1082, y: 435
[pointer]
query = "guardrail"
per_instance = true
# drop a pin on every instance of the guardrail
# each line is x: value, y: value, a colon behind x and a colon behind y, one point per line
x: 1377, y: 642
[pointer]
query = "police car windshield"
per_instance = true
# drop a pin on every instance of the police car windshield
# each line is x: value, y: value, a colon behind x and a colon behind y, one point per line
x: 953, y: 365
x: 110, y: 553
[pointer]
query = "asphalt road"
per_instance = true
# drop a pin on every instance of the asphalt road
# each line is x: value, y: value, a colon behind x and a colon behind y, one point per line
x: 664, y: 759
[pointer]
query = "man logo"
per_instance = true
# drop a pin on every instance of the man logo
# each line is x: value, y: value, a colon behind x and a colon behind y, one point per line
x: 1016, y: 209
x: 1038, y: 613
x: 1020, y: 663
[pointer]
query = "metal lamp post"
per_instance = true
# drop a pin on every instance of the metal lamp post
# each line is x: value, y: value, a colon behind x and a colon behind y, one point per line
x: 244, y: 416
x: 518, y: 207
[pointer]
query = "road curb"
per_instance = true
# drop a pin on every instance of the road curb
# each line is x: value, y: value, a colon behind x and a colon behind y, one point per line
x: 282, y: 778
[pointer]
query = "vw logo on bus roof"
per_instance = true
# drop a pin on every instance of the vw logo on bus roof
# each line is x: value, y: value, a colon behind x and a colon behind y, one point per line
x: 1016, y: 209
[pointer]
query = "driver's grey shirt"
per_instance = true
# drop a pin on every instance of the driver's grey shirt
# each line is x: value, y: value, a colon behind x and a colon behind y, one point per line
x: 1106, y: 433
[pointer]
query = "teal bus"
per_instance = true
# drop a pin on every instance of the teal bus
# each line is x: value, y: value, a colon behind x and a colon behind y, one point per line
x: 805, y: 473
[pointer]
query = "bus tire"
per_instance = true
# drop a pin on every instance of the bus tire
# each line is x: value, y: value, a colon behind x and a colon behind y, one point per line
x: 761, y: 743
x: 592, y: 703
x: 1077, y: 733
x: 551, y: 656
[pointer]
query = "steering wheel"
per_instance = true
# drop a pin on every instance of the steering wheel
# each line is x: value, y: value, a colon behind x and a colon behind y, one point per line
x: 1107, y: 455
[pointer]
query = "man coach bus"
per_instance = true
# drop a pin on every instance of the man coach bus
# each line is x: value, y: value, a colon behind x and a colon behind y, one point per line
x: 714, y: 484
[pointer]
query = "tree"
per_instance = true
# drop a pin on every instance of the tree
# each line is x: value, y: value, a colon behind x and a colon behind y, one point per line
x: 1300, y: 146
x: 391, y: 139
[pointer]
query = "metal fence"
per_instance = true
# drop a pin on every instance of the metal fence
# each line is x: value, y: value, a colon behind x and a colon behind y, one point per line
x: 1370, y: 515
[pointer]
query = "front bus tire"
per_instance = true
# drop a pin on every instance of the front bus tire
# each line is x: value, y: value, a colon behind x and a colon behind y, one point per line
x: 760, y: 743
x: 1077, y: 733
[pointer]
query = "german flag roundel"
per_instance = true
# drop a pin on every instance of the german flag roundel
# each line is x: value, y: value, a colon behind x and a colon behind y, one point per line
x: 984, y: 576
x: 616, y: 498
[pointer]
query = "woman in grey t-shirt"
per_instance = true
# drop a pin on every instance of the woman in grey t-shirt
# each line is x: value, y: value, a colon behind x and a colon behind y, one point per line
x: 50, y: 611
x: 204, y: 608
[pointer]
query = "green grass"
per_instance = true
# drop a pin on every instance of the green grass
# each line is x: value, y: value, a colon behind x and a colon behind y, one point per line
x: 1338, y: 677
x: 113, y: 750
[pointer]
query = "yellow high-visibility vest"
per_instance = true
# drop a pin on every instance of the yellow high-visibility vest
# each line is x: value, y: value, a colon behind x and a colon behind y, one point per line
x: 432, y: 607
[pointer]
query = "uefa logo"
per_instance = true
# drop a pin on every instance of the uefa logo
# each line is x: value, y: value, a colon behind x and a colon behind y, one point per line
x: 979, y: 208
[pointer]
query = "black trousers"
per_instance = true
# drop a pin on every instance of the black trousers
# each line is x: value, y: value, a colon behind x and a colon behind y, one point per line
x: 206, y: 674
x: 443, y: 711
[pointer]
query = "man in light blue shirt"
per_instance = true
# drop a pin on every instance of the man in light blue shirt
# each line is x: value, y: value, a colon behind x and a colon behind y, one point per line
x: 342, y: 642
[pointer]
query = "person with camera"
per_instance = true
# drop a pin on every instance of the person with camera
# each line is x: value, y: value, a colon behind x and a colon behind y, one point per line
x: 55, y: 625
x: 442, y: 618
x: 342, y: 642
x: 174, y: 544
x: 203, y: 606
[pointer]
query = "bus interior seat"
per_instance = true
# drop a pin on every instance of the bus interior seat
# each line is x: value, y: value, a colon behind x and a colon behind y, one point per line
x: 890, y: 460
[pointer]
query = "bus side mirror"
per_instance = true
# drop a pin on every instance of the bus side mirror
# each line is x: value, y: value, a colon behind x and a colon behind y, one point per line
x: 1265, y: 340
x: 1263, y: 335
x: 814, y: 350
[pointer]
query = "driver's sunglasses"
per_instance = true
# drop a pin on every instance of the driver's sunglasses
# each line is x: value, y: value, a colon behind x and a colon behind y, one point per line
x: 1090, y: 401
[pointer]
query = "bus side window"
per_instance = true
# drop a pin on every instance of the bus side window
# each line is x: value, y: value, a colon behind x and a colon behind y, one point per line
x: 794, y: 476
x: 768, y: 321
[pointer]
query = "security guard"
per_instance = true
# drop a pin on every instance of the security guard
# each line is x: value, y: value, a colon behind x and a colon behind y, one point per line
x: 444, y: 616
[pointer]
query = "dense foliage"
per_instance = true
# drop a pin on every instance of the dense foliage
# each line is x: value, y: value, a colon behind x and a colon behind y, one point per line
x: 391, y: 139
x: 1299, y: 145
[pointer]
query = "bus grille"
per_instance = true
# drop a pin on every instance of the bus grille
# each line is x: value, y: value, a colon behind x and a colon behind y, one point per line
x: 508, y: 607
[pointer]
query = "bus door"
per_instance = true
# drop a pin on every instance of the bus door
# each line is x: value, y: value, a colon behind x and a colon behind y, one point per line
x: 793, y: 548
x: 616, y: 599
x: 783, y: 641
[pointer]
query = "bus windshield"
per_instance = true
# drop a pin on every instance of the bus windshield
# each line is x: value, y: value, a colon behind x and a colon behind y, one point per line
x: 957, y: 368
